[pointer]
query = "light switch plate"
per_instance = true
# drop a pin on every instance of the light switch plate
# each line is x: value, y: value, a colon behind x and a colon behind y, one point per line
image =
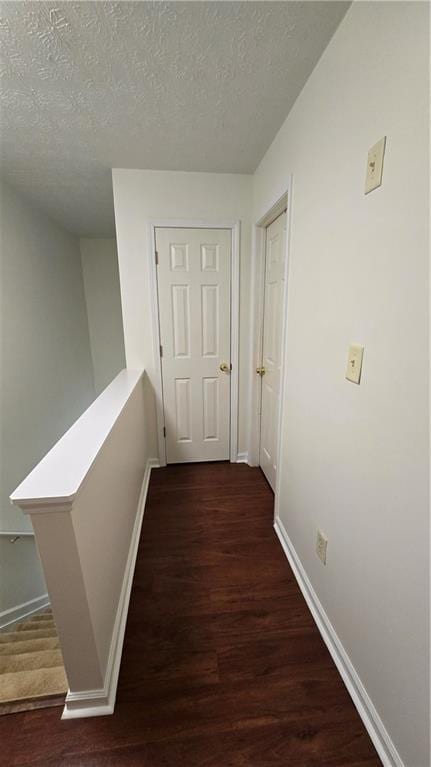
x: 321, y: 546
x: 375, y: 166
x: 354, y: 363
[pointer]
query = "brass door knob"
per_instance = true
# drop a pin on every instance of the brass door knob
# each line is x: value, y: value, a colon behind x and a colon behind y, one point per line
x: 225, y: 367
x: 260, y: 371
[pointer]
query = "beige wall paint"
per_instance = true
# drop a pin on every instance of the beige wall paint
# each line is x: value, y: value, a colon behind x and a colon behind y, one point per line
x: 46, y: 371
x: 103, y: 301
x: 142, y: 196
x: 355, y: 459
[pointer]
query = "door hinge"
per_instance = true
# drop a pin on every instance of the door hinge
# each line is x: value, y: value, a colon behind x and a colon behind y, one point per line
x: 161, y: 350
x: 164, y: 432
x: 156, y: 257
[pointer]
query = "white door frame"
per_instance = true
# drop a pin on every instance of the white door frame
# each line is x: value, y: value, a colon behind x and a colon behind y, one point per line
x: 235, y: 228
x: 256, y: 321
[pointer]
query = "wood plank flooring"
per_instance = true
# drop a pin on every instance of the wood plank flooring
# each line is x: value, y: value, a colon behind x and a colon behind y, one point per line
x: 222, y: 664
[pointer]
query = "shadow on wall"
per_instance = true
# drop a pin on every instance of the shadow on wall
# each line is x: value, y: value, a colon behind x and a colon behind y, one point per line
x: 103, y: 300
x: 47, y: 372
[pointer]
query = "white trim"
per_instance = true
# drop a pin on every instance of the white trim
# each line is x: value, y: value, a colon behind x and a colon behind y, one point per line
x: 14, y: 614
x: 235, y: 227
x: 256, y: 340
x: 234, y: 340
x: 274, y: 211
x: 192, y: 223
x: 102, y: 701
x: 158, y: 387
x: 242, y: 458
x: 284, y: 371
x: 256, y: 314
x: 371, y: 719
x: 56, y: 480
x: 46, y: 505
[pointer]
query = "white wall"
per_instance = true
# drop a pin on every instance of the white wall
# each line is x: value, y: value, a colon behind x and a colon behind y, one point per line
x: 46, y: 372
x: 141, y: 196
x: 355, y: 459
x: 88, y: 547
x: 103, y: 301
x: 21, y: 578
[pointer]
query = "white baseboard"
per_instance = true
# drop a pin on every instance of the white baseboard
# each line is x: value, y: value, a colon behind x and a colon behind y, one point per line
x: 102, y: 702
x: 374, y: 725
x: 17, y: 613
x: 242, y: 458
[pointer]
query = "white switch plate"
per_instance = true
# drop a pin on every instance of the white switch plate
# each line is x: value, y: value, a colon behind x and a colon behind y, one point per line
x: 374, y: 175
x: 321, y: 546
x: 354, y: 363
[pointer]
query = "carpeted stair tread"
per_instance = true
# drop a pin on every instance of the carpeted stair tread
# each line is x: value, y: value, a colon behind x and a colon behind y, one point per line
x: 32, y: 673
x: 32, y: 645
x: 23, y: 636
x: 35, y: 626
x: 32, y: 684
x: 32, y: 705
x: 29, y: 661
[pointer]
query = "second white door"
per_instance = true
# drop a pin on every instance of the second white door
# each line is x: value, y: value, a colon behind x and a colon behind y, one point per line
x: 275, y: 255
x: 193, y: 276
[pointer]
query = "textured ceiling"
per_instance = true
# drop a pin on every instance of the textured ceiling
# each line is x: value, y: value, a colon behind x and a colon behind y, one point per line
x: 87, y: 86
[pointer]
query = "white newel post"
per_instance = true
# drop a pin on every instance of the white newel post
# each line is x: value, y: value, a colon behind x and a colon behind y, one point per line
x: 56, y: 541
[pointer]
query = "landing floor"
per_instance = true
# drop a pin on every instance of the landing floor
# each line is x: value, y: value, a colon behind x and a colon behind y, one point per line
x: 222, y: 664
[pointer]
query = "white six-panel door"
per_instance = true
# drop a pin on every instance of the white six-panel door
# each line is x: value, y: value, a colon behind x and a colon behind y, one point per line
x: 193, y: 277
x: 275, y: 255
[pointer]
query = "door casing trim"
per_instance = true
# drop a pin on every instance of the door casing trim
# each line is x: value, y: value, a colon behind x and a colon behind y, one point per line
x: 235, y: 227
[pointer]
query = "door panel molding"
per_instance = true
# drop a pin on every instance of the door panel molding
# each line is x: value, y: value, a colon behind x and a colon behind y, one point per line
x: 271, y: 352
x: 269, y: 213
x: 179, y: 262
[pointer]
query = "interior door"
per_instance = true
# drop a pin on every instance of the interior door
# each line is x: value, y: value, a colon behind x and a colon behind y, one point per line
x: 275, y: 255
x: 193, y: 277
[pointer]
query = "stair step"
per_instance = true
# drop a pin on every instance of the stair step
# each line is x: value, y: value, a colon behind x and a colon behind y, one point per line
x: 33, y: 684
x: 31, y: 645
x: 20, y: 636
x: 30, y: 661
x: 35, y: 625
x: 31, y: 665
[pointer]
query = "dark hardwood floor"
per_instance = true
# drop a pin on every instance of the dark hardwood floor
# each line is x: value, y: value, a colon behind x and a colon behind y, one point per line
x: 222, y: 664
